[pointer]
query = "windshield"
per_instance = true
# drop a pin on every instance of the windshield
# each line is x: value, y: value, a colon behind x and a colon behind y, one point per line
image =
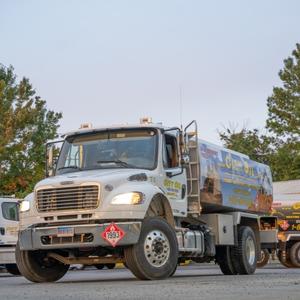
x: 109, y: 149
x: 10, y: 211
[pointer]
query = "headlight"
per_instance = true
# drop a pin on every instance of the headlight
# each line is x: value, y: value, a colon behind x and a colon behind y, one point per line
x: 24, y: 206
x: 133, y: 198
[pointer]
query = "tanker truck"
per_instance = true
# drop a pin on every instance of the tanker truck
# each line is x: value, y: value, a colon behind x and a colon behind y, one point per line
x: 148, y: 196
x: 286, y: 207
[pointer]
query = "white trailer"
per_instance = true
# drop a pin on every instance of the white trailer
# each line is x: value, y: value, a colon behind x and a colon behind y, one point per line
x: 9, y: 226
x: 148, y: 196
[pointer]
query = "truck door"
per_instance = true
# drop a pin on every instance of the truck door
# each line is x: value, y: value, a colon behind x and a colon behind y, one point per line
x: 9, y: 222
x: 174, y: 178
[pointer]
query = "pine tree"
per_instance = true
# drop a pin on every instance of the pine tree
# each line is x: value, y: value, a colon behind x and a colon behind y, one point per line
x: 281, y: 147
x: 25, y: 125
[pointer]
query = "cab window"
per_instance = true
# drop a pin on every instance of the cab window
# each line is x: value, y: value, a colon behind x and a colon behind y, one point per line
x: 170, y: 152
x: 10, y: 211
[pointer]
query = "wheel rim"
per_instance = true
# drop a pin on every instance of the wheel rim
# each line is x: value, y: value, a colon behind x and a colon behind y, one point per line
x: 262, y: 257
x: 157, y: 248
x: 250, y: 250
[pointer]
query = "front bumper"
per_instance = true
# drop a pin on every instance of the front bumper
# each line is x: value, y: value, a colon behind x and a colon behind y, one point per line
x: 84, y: 236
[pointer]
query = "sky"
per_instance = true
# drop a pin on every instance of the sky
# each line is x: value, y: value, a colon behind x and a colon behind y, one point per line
x: 112, y: 62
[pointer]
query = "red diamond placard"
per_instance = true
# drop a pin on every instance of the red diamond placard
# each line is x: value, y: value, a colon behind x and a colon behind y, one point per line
x: 113, y: 234
x: 284, y: 224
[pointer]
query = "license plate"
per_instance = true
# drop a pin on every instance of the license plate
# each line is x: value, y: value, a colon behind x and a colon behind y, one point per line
x: 65, y: 231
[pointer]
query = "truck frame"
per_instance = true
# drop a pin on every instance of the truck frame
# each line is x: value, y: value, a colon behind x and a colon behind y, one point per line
x: 132, y: 194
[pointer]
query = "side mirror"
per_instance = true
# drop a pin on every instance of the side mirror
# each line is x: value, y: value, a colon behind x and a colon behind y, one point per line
x: 50, y: 161
x: 52, y: 153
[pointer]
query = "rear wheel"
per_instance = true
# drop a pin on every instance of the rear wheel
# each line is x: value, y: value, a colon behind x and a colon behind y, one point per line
x: 244, y: 256
x: 110, y: 266
x: 287, y: 262
x: 12, y: 269
x: 99, y: 266
x: 295, y: 255
x: 224, y: 260
x: 155, y: 255
x: 264, y: 258
x: 37, y: 267
x: 174, y: 271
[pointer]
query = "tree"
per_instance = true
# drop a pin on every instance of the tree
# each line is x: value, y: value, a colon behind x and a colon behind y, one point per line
x: 284, y: 104
x: 248, y: 142
x: 280, y: 148
x: 25, y: 125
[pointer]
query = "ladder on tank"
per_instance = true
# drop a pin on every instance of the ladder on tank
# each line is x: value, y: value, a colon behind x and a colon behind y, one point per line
x: 193, y: 170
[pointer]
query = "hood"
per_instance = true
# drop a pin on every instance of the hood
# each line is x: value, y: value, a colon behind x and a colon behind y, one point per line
x: 100, y: 176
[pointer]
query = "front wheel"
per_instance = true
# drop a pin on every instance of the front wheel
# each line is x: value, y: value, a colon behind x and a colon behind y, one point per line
x: 155, y: 255
x: 264, y: 258
x: 37, y: 267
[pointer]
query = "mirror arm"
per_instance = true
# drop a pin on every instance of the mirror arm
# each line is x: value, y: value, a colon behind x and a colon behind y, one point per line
x: 47, y: 173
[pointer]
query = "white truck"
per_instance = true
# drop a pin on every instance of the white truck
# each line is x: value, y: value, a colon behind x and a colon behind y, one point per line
x: 148, y: 196
x: 9, y: 226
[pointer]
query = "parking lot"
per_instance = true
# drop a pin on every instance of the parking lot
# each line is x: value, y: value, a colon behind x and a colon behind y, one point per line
x: 189, y: 282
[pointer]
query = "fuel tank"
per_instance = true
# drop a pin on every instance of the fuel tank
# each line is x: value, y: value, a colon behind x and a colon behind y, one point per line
x: 231, y: 181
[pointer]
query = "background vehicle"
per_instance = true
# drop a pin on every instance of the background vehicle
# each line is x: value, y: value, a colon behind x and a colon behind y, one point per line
x: 286, y: 207
x: 148, y: 196
x: 9, y: 225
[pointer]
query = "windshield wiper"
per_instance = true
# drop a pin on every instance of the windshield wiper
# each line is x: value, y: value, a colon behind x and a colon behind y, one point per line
x: 69, y: 167
x: 116, y: 161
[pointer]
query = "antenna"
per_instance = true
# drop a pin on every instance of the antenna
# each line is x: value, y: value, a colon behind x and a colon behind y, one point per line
x: 180, y: 105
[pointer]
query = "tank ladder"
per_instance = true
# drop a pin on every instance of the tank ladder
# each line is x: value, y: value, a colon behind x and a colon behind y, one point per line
x: 193, y: 170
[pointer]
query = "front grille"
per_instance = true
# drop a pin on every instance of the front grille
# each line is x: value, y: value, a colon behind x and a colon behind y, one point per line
x: 77, y: 238
x: 67, y: 198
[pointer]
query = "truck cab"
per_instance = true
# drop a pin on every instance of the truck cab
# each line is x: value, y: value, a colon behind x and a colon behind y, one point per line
x: 9, y: 226
x: 132, y: 194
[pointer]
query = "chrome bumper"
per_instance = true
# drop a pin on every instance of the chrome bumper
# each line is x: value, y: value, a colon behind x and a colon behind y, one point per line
x: 46, y: 237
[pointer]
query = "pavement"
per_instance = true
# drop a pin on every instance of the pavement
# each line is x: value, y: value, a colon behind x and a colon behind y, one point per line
x: 189, y: 282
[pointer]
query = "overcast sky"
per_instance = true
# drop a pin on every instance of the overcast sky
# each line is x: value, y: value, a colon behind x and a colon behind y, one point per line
x: 111, y: 62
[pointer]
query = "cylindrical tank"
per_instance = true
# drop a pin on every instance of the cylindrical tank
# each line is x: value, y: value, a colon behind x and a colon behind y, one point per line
x: 230, y: 181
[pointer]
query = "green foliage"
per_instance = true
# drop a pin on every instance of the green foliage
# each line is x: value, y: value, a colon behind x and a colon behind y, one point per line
x: 25, y: 125
x: 284, y: 104
x: 239, y: 141
x: 281, y: 147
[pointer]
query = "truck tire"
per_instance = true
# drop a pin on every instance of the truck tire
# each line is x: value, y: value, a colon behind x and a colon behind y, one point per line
x: 155, y: 255
x: 264, y: 258
x: 110, y: 266
x: 12, y: 269
x: 295, y: 255
x: 224, y: 260
x: 99, y: 266
x: 36, y: 267
x: 244, y: 256
x: 287, y: 263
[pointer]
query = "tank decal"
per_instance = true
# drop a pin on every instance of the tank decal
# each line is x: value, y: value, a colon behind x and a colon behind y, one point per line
x: 233, y: 180
x: 288, y: 213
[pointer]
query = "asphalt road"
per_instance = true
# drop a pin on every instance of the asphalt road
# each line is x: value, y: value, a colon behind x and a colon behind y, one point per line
x: 189, y: 282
